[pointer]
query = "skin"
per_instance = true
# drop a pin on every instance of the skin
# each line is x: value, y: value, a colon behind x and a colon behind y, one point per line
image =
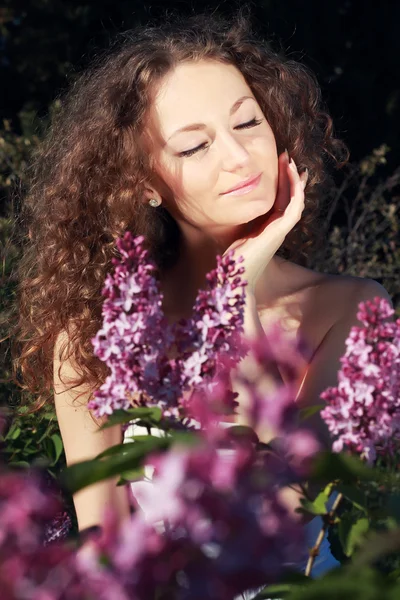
x: 255, y: 224
x: 234, y: 142
x: 324, y: 307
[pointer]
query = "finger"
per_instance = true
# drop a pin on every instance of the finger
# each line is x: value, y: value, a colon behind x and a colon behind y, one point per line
x: 298, y: 182
x: 304, y: 178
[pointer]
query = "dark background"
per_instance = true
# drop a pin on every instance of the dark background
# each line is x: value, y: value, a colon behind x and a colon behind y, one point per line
x: 352, y: 46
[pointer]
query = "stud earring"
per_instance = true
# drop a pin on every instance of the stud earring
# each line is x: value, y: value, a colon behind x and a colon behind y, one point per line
x: 154, y: 202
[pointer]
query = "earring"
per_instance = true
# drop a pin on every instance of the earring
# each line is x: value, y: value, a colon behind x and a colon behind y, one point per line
x: 154, y: 202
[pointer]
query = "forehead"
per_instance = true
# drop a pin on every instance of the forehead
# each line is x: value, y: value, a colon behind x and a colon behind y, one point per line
x: 196, y: 91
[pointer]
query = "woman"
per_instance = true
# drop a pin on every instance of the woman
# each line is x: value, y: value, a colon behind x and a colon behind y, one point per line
x: 197, y: 135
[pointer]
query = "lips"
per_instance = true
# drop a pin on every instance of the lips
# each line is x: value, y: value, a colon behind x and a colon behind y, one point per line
x: 242, y: 184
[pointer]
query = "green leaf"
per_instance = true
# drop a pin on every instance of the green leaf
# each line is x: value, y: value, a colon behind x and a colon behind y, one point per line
x: 290, y: 580
x: 309, y: 411
x: 355, y: 495
x: 58, y: 446
x: 142, y: 437
x: 19, y: 463
x: 238, y: 432
x: 377, y: 546
x: 49, y: 416
x: 124, y: 447
x: 80, y: 475
x: 13, y: 432
x: 128, y: 476
x: 341, y: 584
x: 280, y: 590
x: 124, y: 416
x: 316, y: 507
x: 351, y: 534
x: 331, y: 465
x: 44, y: 436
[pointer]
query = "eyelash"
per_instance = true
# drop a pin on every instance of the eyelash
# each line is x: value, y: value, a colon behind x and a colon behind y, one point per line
x: 253, y: 123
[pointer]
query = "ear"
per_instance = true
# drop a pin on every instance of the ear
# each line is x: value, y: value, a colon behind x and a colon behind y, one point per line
x: 151, y: 193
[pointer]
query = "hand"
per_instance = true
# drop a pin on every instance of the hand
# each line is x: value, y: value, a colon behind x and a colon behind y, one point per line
x: 267, y: 236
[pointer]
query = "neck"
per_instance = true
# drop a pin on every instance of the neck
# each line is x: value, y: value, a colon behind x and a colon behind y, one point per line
x: 181, y: 283
x: 198, y: 253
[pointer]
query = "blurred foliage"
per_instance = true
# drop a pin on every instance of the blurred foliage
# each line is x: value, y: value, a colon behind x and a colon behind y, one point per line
x: 362, y: 224
x: 34, y: 439
x: 352, y: 46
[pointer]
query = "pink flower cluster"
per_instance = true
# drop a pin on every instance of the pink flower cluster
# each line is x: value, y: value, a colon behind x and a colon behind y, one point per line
x: 213, y: 522
x: 363, y: 411
x: 31, y: 567
x: 225, y: 529
x: 213, y: 526
x: 270, y: 410
x: 136, y: 341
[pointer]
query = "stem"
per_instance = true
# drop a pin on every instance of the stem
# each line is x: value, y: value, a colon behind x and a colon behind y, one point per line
x: 327, y: 520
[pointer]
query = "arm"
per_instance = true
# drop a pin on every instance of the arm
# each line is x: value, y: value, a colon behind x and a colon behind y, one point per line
x: 323, y: 369
x: 252, y: 330
x: 82, y: 440
x: 325, y: 363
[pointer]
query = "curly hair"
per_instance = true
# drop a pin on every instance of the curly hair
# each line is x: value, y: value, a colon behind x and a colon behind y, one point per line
x: 87, y: 178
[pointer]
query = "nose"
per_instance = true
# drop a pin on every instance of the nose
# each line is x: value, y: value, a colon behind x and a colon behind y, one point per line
x: 234, y: 154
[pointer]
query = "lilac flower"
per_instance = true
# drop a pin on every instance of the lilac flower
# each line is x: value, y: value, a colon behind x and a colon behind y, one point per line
x: 225, y: 529
x: 136, y: 340
x: 212, y: 523
x: 212, y: 335
x: 363, y: 411
x: 270, y: 408
x: 31, y: 565
x: 58, y: 528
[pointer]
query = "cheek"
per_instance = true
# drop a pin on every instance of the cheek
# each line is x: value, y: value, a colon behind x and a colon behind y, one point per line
x: 188, y: 186
x: 265, y: 142
x: 193, y: 178
x: 265, y: 149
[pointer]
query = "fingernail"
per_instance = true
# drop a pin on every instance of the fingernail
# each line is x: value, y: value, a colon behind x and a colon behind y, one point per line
x: 304, y: 174
x: 287, y: 154
x: 304, y: 178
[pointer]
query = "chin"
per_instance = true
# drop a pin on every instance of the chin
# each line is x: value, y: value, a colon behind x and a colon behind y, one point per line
x: 256, y: 209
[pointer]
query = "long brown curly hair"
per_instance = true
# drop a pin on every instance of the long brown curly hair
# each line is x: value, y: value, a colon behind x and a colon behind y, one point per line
x: 87, y: 179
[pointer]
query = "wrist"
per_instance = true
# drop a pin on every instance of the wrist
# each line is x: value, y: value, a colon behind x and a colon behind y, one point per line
x: 252, y: 325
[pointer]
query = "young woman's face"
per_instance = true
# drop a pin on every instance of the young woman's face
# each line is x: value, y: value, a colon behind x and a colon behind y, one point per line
x: 226, y: 140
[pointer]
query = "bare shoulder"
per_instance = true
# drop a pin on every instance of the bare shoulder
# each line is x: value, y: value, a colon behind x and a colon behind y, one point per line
x: 343, y: 293
x: 329, y: 301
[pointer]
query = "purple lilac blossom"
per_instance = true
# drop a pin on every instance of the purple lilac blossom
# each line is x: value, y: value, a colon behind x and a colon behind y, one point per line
x: 363, y: 411
x: 135, y: 339
x: 271, y: 406
x: 225, y: 528
x: 32, y: 567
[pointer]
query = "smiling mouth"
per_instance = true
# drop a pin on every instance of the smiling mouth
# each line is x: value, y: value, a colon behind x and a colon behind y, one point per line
x: 245, y: 186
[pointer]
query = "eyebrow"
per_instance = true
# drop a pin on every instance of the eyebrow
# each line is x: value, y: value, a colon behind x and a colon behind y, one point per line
x: 195, y: 126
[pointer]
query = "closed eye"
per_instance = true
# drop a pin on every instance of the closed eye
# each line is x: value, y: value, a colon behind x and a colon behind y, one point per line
x: 253, y: 123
